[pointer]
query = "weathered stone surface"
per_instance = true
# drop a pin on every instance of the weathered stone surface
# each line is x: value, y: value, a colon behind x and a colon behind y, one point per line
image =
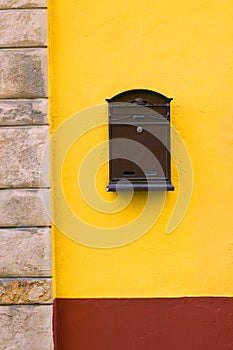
x: 25, y: 291
x: 8, y: 4
x: 22, y: 112
x: 23, y: 28
x: 23, y: 73
x: 26, y: 327
x: 23, y: 208
x: 25, y: 252
x: 21, y: 152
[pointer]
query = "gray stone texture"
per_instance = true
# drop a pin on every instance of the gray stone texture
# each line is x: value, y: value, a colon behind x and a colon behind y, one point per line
x: 8, y: 4
x: 25, y: 252
x: 23, y: 28
x: 24, y: 208
x: 25, y: 291
x: 26, y: 327
x: 23, y: 73
x: 21, y: 152
x: 23, y: 112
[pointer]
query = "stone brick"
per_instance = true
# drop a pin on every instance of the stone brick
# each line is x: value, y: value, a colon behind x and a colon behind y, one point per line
x: 25, y: 291
x: 23, y: 28
x: 8, y: 4
x: 23, y: 73
x: 25, y: 252
x: 22, y: 112
x: 25, y: 327
x: 23, y: 208
x: 21, y: 153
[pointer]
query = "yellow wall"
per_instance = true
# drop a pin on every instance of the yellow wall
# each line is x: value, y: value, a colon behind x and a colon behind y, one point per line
x: 182, y: 49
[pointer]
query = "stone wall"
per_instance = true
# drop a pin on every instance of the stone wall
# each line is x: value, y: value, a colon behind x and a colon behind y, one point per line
x: 25, y: 242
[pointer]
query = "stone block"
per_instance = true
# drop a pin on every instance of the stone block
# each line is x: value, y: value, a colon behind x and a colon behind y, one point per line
x: 24, y: 208
x: 26, y: 327
x: 23, y: 112
x: 25, y: 252
x: 23, y: 73
x: 8, y: 4
x: 21, y: 152
x: 25, y: 291
x: 23, y: 28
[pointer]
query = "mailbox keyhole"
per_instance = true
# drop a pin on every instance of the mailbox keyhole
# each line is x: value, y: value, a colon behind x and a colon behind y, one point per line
x: 139, y: 129
x: 129, y: 173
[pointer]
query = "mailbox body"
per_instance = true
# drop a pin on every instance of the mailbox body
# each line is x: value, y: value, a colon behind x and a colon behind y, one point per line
x: 139, y: 141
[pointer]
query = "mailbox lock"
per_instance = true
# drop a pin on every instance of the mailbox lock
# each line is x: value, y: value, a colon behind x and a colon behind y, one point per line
x: 139, y: 129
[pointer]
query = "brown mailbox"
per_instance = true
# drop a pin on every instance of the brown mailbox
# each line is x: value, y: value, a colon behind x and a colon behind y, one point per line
x: 139, y: 141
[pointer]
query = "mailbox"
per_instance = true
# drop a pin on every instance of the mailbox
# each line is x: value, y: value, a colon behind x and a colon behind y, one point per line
x: 139, y: 141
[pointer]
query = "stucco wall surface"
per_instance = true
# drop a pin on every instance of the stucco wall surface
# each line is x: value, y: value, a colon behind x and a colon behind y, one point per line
x: 184, y: 50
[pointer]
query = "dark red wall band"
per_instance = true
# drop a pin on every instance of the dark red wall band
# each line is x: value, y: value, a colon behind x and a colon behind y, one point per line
x: 204, y: 323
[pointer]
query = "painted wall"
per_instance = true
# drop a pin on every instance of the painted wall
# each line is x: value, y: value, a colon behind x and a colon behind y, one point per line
x: 182, y: 49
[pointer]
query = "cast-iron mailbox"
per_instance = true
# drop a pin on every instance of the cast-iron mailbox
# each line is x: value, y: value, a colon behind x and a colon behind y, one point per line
x: 139, y: 141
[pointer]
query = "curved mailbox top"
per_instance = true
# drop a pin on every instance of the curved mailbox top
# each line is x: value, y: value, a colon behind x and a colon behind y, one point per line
x: 141, y: 97
x: 139, y: 105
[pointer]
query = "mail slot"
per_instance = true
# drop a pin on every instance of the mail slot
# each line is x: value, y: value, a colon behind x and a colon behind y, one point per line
x: 139, y: 141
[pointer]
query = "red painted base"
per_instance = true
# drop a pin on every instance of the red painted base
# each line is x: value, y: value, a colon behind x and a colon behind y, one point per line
x: 204, y: 323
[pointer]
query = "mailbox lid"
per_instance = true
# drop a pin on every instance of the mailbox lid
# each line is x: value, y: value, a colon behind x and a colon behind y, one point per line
x: 139, y: 102
x: 129, y: 112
